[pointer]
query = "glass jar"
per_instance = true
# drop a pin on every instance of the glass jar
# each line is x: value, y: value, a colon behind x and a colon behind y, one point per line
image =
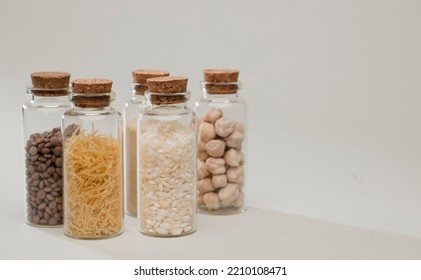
x: 43, y: 147
x: 131, y: 110
x: 221, y: 146
x: 93, y: 193
x: 167, y: 160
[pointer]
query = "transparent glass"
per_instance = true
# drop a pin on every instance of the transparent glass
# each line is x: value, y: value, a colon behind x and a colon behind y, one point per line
x: 167, y: 169
x: 43, y: 157
x: 221, y: 152
x: 93, y: 174
x: 131, y: 111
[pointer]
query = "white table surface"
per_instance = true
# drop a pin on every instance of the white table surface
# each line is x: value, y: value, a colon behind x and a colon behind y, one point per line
x: 255, y: 234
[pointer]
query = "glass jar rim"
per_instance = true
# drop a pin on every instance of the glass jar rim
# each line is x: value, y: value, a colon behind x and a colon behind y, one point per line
x: 186, y: 94
x: 182, y: 97
x: 110, y: 94
x: 135, y: 84
x: 205, y: 83
x: 60, y: 91
x: 138, y: 88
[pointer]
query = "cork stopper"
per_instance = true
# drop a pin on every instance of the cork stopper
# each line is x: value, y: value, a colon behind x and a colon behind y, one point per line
x: 92, y: 93
x: 141, y: 75
x: 50, y: 83
x: 221, y: 81
x: 167, y: 90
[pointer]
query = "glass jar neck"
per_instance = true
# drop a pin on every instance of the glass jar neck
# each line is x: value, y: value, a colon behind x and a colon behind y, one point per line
x: 138, y: 90
x: 93, y: 110
x: 219, y: 97
x: 92, y: 100
x: 137, y: 98
x: 167, y: 102
x: 50, y: 101
x: 167, y: 107
x: 36, y: 99
x: 214, y: 91
x: 48, y: 96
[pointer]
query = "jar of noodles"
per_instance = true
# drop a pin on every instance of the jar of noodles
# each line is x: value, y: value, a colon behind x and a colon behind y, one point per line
x: 93, y: 192
x: 167, y: 160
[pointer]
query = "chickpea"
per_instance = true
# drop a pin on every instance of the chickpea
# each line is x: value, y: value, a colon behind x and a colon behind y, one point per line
x: 201, y: 145
x: 216, y: 165
x: 205, y: 185
x: 229, y: 193
x: 239, y: 127
x: 236, y: 174
x: 202, y: 171
x: 224, y: 127
x: 233, y: 157
x: 213, y: 114
x: 206, y: 132
x: 219, y: 181
x: 202, y: 155
x: 211, y: 200
x: 235, y: 139
x: 239, y: 201
x: 215, y: 148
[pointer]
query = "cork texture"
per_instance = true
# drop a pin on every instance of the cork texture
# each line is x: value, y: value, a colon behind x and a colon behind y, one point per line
x: 221, y: 75
x: 50, y: 80
x: 164, y: 89
x: 169, y: 84
x: 141, y: 75
x: 218, y: 81
x: 91, y: 102
x: 90, y: 87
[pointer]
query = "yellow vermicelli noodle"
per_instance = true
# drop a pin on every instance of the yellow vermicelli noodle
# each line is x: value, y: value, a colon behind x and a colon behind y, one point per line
x: 93, y: 186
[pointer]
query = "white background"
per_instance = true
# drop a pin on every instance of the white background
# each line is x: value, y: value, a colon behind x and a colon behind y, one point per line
x: 333, y: 88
